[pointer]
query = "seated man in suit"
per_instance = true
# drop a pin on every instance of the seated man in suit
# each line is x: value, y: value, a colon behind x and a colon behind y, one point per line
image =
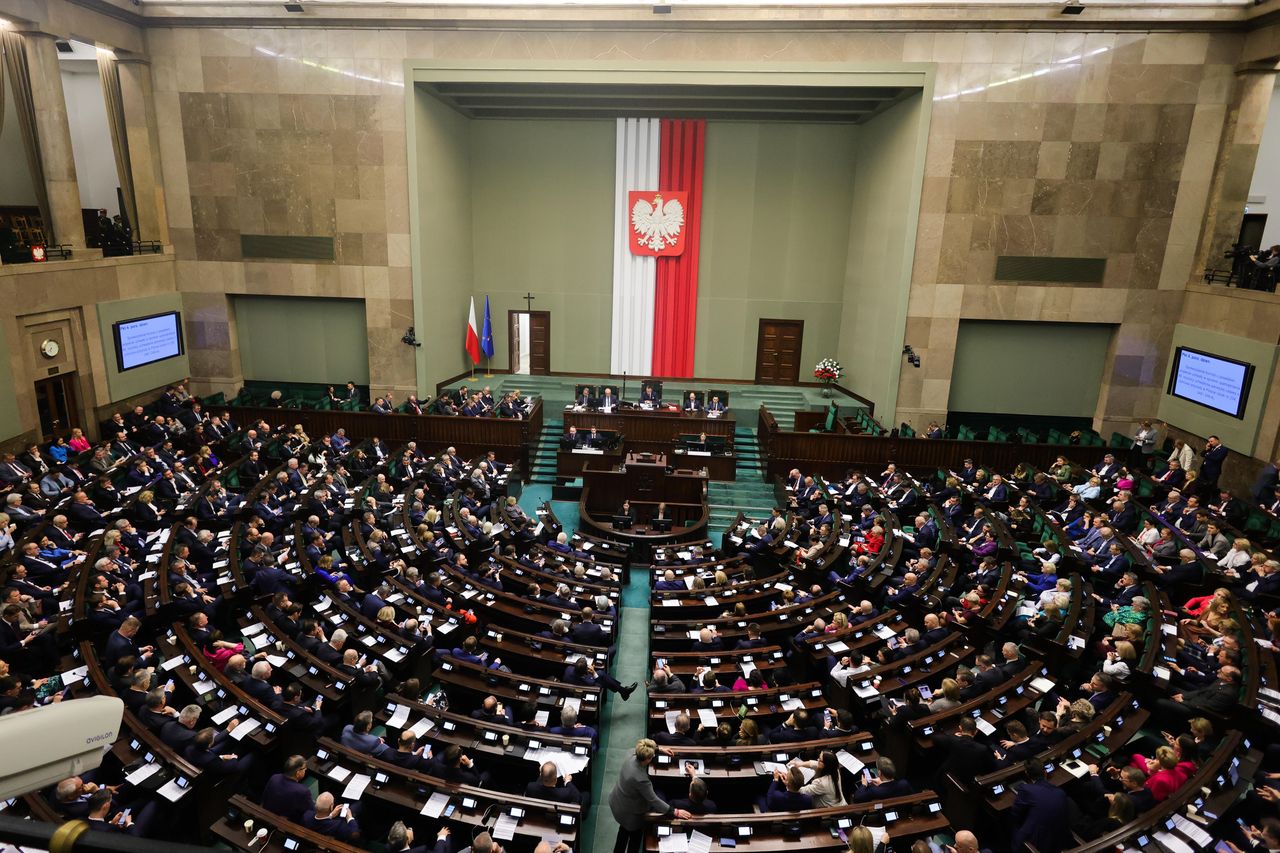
x: 608, y: 402
x: 883, y: 785
x: 648, y: 397
x: 336, y: 821
x: 584, y: 399
x: 784, y: 792
x: 715, y: 406
x: 358, y: 735
x: 691, y: 403
x: 1041, y: 815
x: 1219, y: 697
x: 596, y: 439
x: 550, y: 786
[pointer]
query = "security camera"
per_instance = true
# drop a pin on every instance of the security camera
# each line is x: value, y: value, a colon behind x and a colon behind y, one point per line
x: 410, y: 339
x: 912, y: 358
x: 51, y: 743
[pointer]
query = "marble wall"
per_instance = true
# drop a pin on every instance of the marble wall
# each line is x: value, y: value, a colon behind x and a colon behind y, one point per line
x: 1078, y: 144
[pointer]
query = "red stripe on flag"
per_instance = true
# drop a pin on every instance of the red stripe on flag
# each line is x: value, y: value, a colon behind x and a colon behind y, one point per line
x: 675, y: 309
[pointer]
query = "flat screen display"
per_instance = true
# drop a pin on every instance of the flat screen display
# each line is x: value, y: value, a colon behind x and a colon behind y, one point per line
x: 146, y: 340
x: 1212, y: 381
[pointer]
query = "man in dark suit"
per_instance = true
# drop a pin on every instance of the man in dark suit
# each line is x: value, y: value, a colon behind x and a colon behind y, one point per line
x: 1040, y: 813
x: 966, y: 758
x: 784, y: 792
x: 1215, y: 453
x: 1218, y: 698
x: 285, y: 794
x: 715, y: 406
x: 884, y: 785
x: 548, y: 787
x: 648, y: 396
x: 691, y: 403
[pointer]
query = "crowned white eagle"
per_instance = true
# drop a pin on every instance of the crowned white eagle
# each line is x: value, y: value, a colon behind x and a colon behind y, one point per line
x: 658, y: 225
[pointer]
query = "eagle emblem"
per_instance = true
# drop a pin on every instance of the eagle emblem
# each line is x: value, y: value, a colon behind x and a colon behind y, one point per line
x: 657, y: 222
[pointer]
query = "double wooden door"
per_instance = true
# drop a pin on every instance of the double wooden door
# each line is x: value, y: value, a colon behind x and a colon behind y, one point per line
x: 58, y: 405
x: 778, y: 351
x: 535, y: 326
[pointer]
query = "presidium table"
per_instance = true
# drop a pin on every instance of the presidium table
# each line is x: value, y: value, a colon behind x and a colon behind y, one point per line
x: 667, y: 431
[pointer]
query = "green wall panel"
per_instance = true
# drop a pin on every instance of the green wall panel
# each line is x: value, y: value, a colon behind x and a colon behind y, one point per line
x: 542, y: 206
x: 140, y: 379
x: 302, y: 339
x: 775, y: 239
x: 1029, y: 368
x: 10, y: 422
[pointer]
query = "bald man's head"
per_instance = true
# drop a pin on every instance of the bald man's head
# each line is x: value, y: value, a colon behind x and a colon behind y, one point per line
x: 966, y: 842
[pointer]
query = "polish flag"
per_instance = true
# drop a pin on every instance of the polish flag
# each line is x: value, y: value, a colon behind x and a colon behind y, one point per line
x: 473, y: 337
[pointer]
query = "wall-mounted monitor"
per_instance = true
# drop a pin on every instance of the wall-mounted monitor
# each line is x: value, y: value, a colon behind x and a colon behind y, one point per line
x: 1212, y: 381
x: 146, y: 340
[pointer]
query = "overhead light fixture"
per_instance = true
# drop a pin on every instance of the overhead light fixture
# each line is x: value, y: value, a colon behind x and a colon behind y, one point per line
x: 1073, y: 7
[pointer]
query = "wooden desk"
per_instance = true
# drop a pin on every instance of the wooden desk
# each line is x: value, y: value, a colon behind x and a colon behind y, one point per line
x: 569, y: 463
x: 658, y: 432
x: 641, y: 480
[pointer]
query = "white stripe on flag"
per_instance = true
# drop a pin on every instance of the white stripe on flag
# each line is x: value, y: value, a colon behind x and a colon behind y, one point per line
x: 634, y: 277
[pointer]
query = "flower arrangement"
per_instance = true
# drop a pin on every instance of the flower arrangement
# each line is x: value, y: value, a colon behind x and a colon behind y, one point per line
x: 828, y: 370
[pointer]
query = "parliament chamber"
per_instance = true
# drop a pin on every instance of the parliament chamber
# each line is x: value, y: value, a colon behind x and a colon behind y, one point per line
x: 466, y: 427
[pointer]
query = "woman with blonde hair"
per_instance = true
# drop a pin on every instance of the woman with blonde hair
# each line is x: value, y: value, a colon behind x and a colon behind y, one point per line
x: 633, y: 799
x: 949, y: 698
x: 1119, y: 659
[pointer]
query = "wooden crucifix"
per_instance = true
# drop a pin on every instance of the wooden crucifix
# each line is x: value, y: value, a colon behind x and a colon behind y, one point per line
x: 528, y: 298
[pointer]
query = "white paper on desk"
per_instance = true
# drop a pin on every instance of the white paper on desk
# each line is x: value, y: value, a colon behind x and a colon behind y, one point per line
x: 685, y: 555
x: 736, y: 540
x: 849, y: 762
x: 143, y: 773
x: 224, y: 715
x: 694, y: 635
x: 565, y: 762
x: 394, y: 655
x: 505, y: 828
x: 73, y: 675
x: 747, y: 668
x: 983, y: 726
x: 1160, y: 672
x: 65, y: 605
x: 1042, y: 684
x: 251, y: 630
x: 322, y: 605
x: 1169, y: 628
x: 883, y: 631
x: 172, y: 791
x: 676, y: 842
x: 537, y: 529
x: 446, y: 627
x: 792, y: 704
x: 435, y: 805
x: 338, y: 773
x: 146, y: 576
x: 837, y: 646
x: 423, y: 726
x: 707, y: 717
x: 202, y: 687
x: 573, y: 703
x: 369, y: 640
x: 171, y: 663
x: 699, y: 843
x: 245, y: 728
x: 844, y: 542
x: 399, y: 718
x: 782, y: 586
x: 671, y: 602
x: 1173, y: 842
x: 711, y: 601
x: 1192, y: 830
x: 671, y: 720
x: 542, y: 717
x: 866, y: 691
x: 277, y: 661
x: 356, y: 786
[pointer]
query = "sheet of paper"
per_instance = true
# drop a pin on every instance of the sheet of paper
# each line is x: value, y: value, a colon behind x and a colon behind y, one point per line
x: 676, y: 842
x: 573, y: 703
x: 747, y: 668
x: 170, y: 664
x: 699, y: 843
x: 542, y: 717
x: 278, y: 661
x: 355, y: 788
x: 245, y: 728
x: 837, y: 646
x: 505, y: 828
x: 143, y: 773
x: 73, y: 675
x: 1042, y: 684
x: 423, y: 726
x: 707, y: 717
x: 172, y: 791
x: 849, y: 762
x: 671, y: 717
x: 435, y: 805
x: 338, y: 773
x: 225, y: 714
x: 670, y: 602
x: 202, y: 687
x: 399, y: 717
x: 793, y: 704
x: 984, y: 727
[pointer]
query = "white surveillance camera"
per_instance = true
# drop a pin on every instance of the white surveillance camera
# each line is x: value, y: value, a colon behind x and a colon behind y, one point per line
x: 48, y: 744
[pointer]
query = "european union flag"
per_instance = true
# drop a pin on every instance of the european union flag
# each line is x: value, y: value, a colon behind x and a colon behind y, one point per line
x: 486, y: 334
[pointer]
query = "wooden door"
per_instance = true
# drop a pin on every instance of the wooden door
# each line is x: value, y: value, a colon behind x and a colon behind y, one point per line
x: 539, y: 342
x: 513, y: 342
x: 778, y: 351
x: 58, y: 405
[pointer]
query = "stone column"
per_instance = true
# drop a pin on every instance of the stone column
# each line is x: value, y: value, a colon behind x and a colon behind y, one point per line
x: 144, y: 147
x: 1233, y: 169
x: 55, y: 140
